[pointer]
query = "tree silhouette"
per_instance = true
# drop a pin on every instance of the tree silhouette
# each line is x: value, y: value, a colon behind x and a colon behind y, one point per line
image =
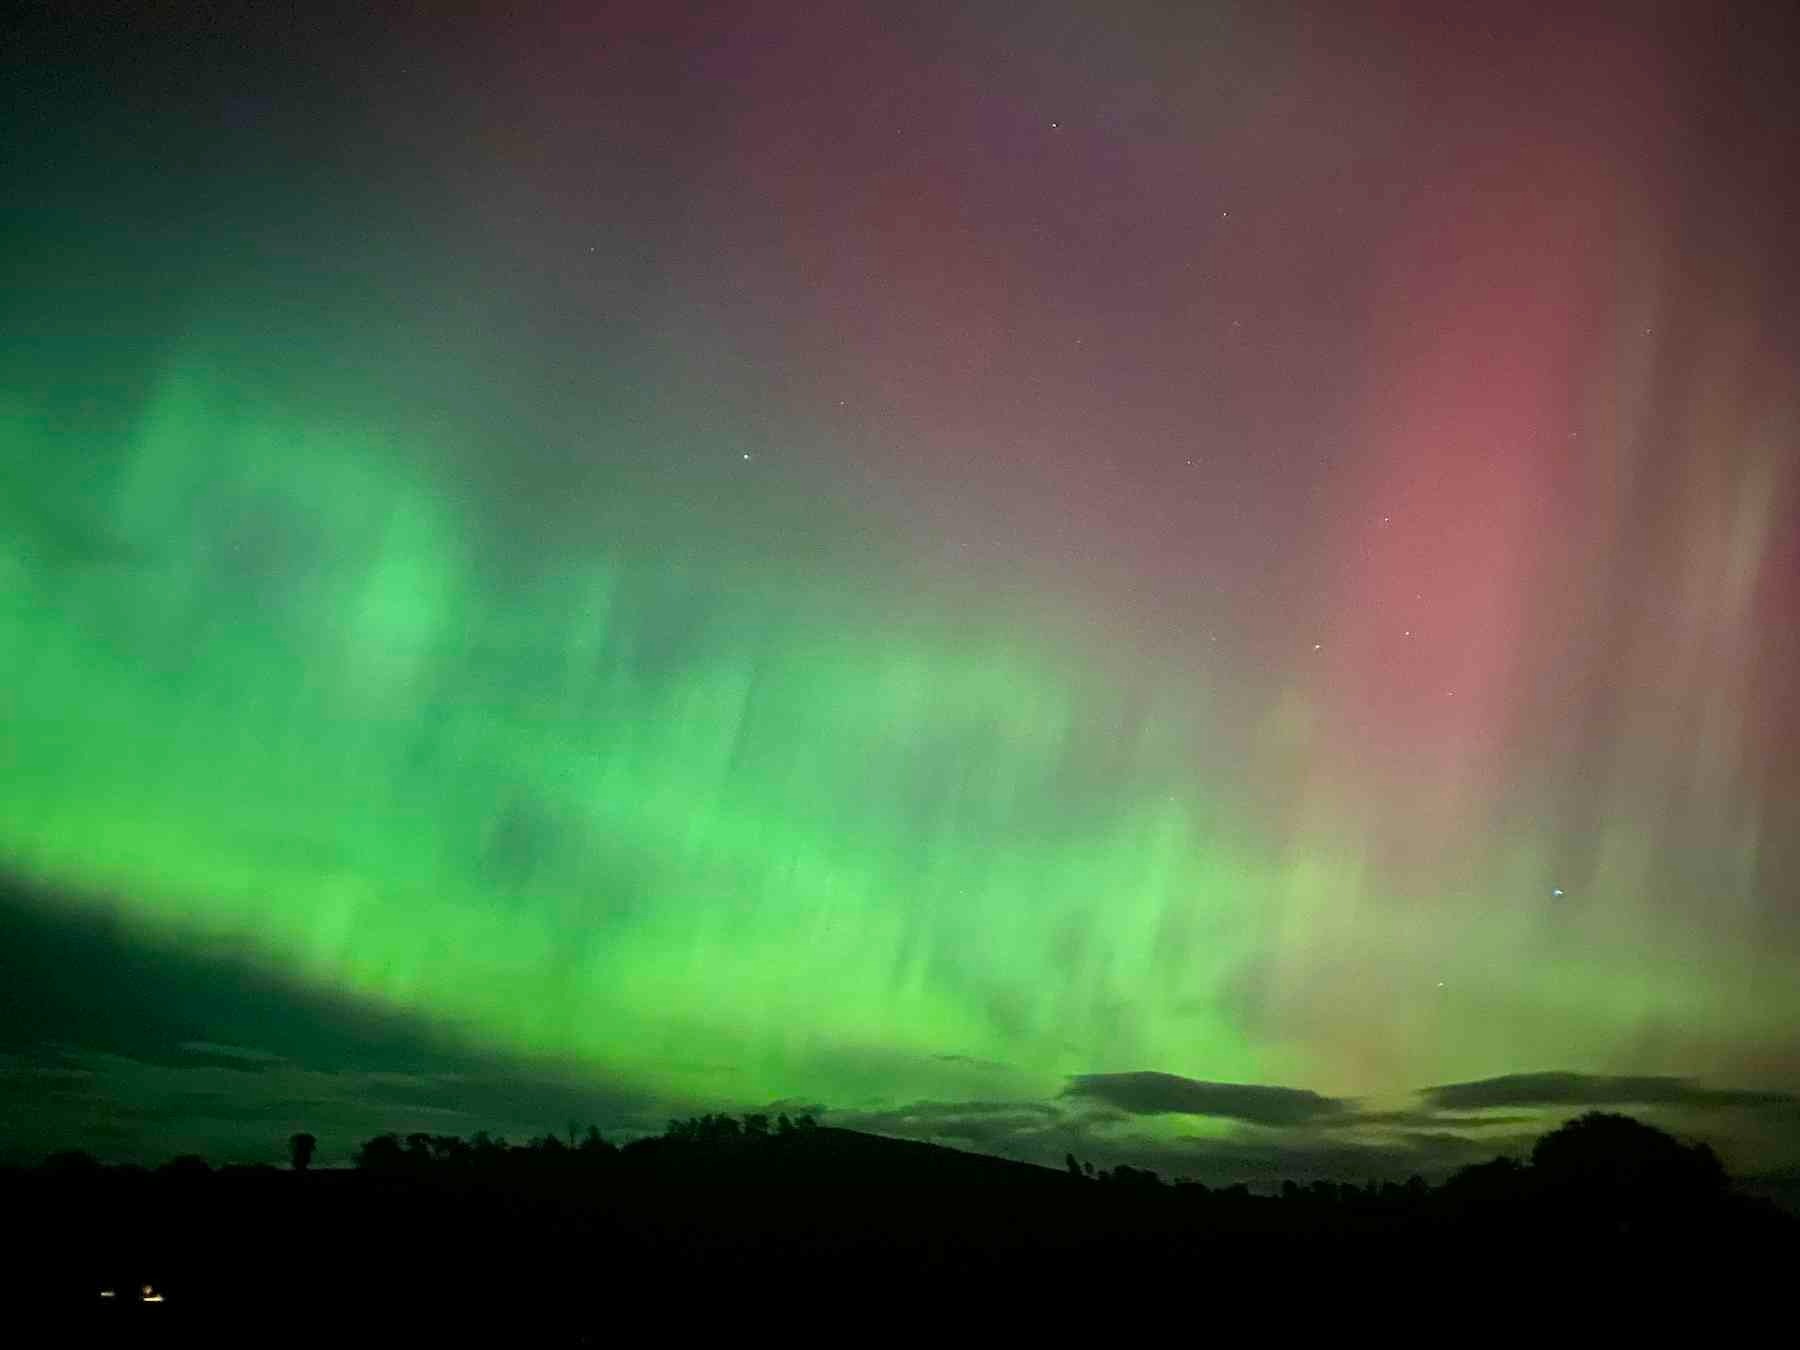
x: 549, y: 1145
x: 484, y: 1148
x: 300, y: 1150
x: 1613, y: 1149
x: 1486, y: 1187
x: 1620, y: 1171
x: 381, y: 1154
x: 592, y: 1144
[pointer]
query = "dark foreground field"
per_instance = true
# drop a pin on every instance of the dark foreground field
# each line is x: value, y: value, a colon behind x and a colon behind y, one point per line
x: 574, y: 1243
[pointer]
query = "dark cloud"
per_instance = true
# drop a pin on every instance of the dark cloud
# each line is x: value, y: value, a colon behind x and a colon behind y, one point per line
x: 158, y: 1001
x: 1438, y: 1120
x: 160, y: 1050
x: 1579, y: 1089
x: 972, y: 1061
x: 237, y: 1058
x: 1148, y: 1094
x: 197, y: 1098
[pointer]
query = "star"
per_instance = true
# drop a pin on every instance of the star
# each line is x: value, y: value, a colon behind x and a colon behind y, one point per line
x: 746, y: 456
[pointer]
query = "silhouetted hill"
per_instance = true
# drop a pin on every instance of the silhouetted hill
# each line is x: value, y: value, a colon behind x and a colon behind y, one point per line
x: 839, y: 1156
x: 1780, y: 1188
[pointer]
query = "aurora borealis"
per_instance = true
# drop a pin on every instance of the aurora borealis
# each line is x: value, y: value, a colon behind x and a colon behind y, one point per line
x: 1009, y: 558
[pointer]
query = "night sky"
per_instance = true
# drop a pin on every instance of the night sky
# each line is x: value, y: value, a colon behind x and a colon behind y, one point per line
x: 1218, y: 586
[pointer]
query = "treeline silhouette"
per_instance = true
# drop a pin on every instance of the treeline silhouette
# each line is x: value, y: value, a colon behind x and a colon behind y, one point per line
x: 562, y: 1221
x: 717, y: 1137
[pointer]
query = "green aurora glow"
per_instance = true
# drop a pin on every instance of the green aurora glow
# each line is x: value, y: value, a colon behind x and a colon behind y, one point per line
x: 722, y: 836
x: 772, y: 839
